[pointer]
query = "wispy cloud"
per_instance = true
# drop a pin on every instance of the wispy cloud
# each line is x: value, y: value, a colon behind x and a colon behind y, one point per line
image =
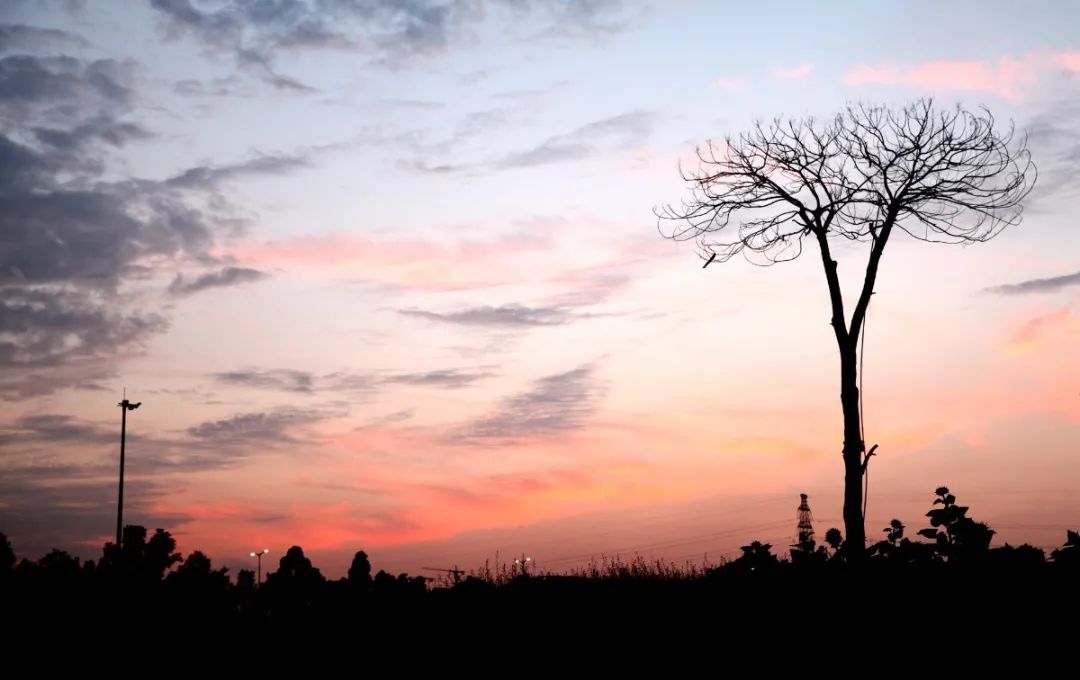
x: 552, y: 405
x: 258, y: 426
x: 286, y: 380
x: 1048, y: 285
x: 617, y: 132
x: 207, y: 176
x: 1054, y: 138
x: 22, y: 36
x: 305, y: 382
x: 223, y: 278
x: 450, y: 378
x: 502, y: 316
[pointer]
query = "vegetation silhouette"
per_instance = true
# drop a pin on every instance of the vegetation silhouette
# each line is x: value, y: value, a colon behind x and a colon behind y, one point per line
x: 147, y: 587
x: 940, y: 175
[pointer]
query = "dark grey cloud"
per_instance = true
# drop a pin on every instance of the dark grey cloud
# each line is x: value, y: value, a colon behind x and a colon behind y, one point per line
x: 504, y: 316
x: 54, y: 428
x: 102, y: 129
x: 58, y: 485
x: 22, y: 36
x: 36, y: 440
x: 553, y: 405
x: 69, y: 238
x: 450, y: 378
x: 398, y: 26
x: 61, y: 508
x: 286, y: 380
x: 22, y: 382
x: 45, y: 327
x: 1048, y: 285
x: 223, y: 278
x: 580, y: 19
x: 62, y: 87
x: 391, y: 32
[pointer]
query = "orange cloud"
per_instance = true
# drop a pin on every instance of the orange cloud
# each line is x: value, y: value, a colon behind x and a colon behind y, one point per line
x: 774, y: 446
x: 1035, y: 330
x: 1006, y: 77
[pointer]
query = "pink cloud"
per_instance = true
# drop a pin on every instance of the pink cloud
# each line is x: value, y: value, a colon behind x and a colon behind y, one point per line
x: 428, y: 264
x: 1070, y: 61
x: 729, y: 83
x: 461, y: 260
x: 794, y: 73
x: 1008, y: 77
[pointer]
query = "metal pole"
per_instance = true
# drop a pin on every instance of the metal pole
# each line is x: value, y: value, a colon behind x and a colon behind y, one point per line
x: 120, y: 503
x: 260, y: 570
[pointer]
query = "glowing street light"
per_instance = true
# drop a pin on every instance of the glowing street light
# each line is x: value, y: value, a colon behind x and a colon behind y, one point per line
x: 259, y: 555
x: 522, y: 563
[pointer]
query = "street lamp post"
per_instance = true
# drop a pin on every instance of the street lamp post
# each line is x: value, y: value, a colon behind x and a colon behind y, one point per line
x: 125, y: 406
x: 259, y: 555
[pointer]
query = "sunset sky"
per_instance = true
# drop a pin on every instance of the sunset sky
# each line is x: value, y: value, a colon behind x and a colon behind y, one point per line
x: 386, y: 275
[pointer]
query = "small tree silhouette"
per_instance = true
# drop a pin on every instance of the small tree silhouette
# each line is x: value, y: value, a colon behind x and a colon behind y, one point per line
x: 7, y: 555
x: 956, y: 535
x: 1068, y: 555
x: 756, y: 557
x: 834, y: 539
x: 894, y: 532
x: 360, y: 573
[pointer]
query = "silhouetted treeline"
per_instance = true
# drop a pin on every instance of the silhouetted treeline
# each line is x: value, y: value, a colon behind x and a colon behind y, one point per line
x: 146, y: 585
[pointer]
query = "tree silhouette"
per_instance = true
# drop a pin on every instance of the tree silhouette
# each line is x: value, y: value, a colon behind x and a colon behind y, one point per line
x: 1068, y: 555
x: 139, y: 558
x: 7, y: 556
x: 938, y: 175
x: 360, y: 573
x: 295, y: 586
x: 756, y: 557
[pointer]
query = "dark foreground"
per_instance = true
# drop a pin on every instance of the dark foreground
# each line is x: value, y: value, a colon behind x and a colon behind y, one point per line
x: 951, y: 596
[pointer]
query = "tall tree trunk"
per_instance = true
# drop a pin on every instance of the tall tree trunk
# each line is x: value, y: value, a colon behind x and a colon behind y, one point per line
x: 854, y: 529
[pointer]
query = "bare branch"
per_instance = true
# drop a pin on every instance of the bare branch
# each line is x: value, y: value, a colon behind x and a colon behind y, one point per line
x: 945, y: 175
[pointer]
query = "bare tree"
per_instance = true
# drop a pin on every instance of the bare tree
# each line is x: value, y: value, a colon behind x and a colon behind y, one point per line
x: 938, y: 175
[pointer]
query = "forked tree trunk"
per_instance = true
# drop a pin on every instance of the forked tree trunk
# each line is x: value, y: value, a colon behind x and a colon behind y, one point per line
x: 854, y: 529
